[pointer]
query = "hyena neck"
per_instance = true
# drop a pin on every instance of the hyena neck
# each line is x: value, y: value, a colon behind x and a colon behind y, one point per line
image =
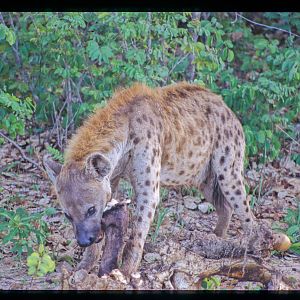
x: 116, y: 157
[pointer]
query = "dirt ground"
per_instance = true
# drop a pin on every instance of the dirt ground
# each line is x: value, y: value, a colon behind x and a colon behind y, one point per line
x: 167, y: 262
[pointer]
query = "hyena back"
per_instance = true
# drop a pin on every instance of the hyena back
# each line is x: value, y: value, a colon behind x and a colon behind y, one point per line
x: 181, y: 134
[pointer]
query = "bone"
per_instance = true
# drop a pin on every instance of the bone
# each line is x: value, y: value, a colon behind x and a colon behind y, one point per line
x: 114, y: 224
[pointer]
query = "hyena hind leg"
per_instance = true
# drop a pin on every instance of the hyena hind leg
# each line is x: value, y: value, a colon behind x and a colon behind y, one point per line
x: 213, y: 194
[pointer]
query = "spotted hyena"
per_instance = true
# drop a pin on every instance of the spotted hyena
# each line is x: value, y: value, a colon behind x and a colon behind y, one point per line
x: 181, y: 134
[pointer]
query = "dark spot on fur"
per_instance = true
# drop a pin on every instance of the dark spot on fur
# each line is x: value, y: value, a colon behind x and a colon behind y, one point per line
x: 151, y: 121
x: 142, y: 207
x: 145, y: 193
x: 239, y: 154
x: 149, y: 214
x: 236, y: 206
x: 192, y: 166
x: 236, y: 140
x: 147, y: 182
x: 153, y: 205
x: 223, y: 118
x: 208, y: 111
x: 190, y: 153
x: 148, y: 169
x: 182, y: 94
x: 227, y: 150
x: 247, y: 209
x: 226, y: 193
x: 148, y: 134
x: 221, y: 177
x: 139, y: 234
x: 181, y: 172
x: 136, y: 140
x: 222, y: 160
x: 239, y: 182
x: 139, y: 120
x: 145, y: 201
x: 140, y: 219
x: 245, y: 202
x: 247, y: 220
x: 131, y: 135
x: 238, y: 192
x: 152, y: 160
x: 217, y: 144
x: 233, y: 187
x: 160, y: 125
x: 144, y: 118
x: 156, y: 186
x: 232, y: 198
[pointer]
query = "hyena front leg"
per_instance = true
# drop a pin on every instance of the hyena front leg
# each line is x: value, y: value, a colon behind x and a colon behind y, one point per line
x: 145, y: 181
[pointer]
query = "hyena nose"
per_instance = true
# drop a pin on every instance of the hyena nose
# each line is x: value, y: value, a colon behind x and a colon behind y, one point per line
x: 85, y: 241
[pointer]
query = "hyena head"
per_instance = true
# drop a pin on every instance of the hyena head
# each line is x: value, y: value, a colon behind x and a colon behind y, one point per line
x: 83, y: 190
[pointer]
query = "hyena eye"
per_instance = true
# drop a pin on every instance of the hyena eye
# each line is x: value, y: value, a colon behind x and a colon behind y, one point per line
x: 68, y: 217
x: 91, y: 211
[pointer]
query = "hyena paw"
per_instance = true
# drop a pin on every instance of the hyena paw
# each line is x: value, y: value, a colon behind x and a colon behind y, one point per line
x: 132, y: 256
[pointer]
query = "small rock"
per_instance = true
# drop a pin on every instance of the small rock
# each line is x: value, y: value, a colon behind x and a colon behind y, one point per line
x: 180, y: 281
x: 205, y: 207
x: 151, y: 257
x: 80, y: 276
x: 189, y: 203
x: 162, y: 276
x: 282, y: 194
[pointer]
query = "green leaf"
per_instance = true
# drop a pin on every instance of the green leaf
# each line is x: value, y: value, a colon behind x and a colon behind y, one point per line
x: 295, y: 248
x: 10, y: 37
x: 261, y: 137
x: 230, y: 56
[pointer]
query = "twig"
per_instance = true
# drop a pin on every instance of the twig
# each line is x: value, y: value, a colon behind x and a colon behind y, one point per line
x: 287, y: 134
x: 264, y: 25
x: 21, y: 151
x: 177, y: 63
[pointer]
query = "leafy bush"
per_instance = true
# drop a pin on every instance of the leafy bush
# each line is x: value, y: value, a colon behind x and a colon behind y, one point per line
x: 23, y: 229
x: 71, y: 62
x: 40, y: 263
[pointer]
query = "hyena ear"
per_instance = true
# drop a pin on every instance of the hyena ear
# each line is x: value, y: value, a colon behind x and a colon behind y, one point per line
x: 98, y: 165
x: 52, y: 168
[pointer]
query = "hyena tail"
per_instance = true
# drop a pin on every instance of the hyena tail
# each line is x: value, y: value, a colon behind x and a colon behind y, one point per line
x: 218, y: 199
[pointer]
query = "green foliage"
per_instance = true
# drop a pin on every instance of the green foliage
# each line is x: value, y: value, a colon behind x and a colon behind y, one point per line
x: 126, y: 188
x: 163, y: 193
x: 292, y: 218
x: 71, y: 62
x: 22, y: 229
x: 162, y: 213
x: 40, y: 263
x: 56, y: 154
x: 211, y: 283
x: 13, y: 113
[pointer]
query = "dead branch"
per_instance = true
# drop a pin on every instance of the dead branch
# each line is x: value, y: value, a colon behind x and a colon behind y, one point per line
x: 22, y: 152
x: 264, y: 25
x: 252, y: 271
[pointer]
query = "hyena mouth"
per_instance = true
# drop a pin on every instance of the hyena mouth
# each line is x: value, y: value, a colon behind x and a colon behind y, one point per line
x: 100, y: 237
